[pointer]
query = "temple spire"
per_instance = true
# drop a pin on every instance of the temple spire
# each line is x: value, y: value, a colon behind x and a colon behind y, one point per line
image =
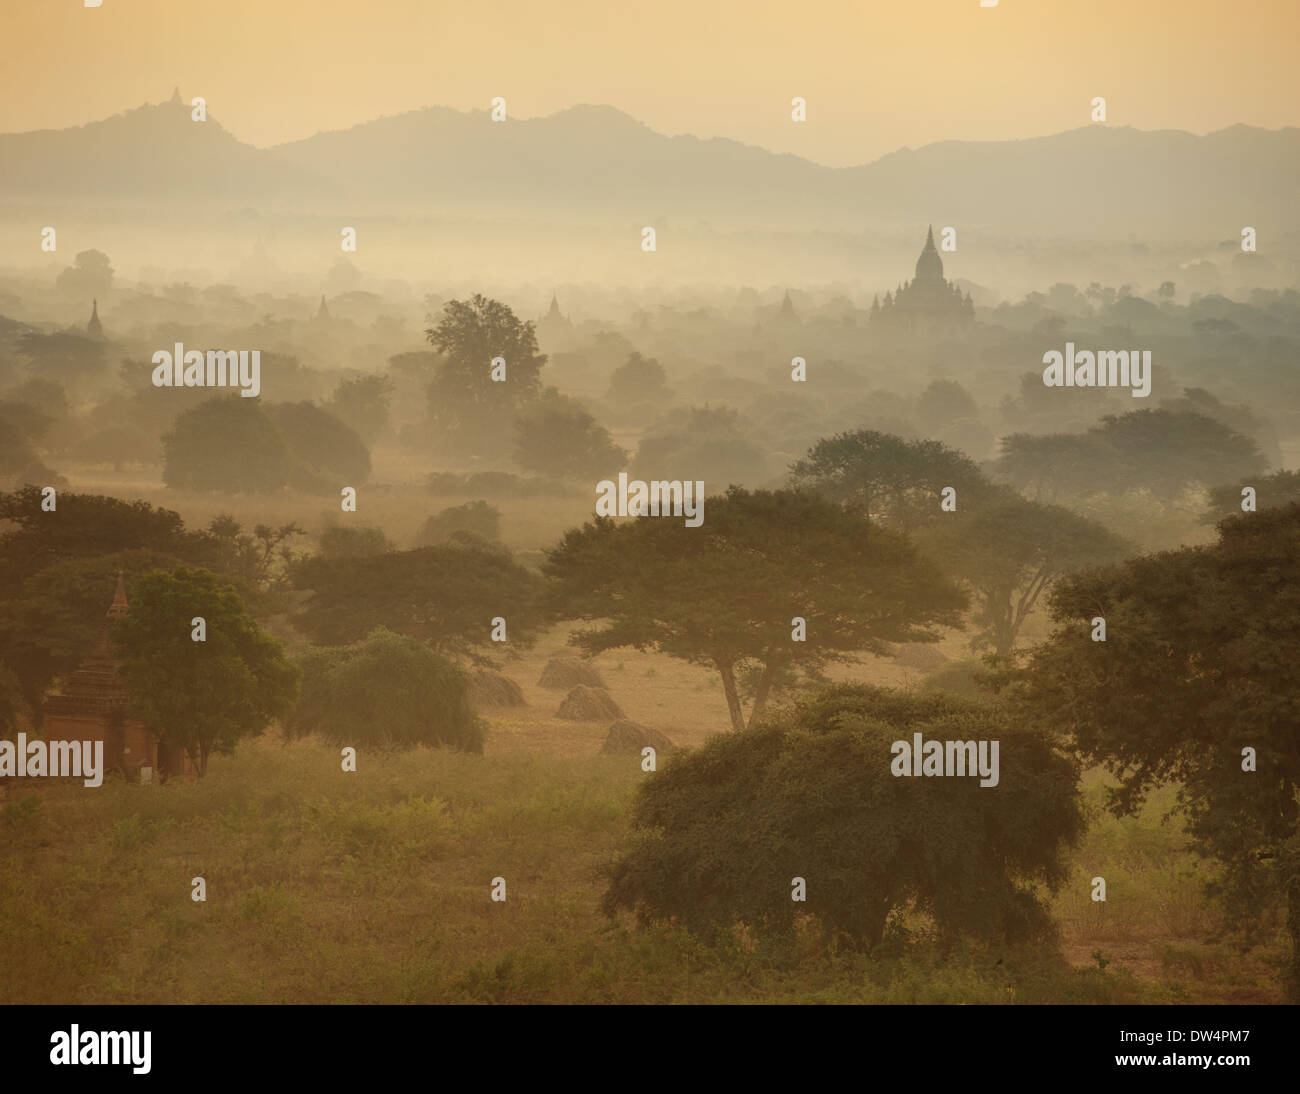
x: 94, y: 328
x: 118, y: 608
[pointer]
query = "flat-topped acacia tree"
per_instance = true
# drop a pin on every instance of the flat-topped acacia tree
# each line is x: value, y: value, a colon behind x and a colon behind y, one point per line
x: 726, y: 594
x: 445, y: 595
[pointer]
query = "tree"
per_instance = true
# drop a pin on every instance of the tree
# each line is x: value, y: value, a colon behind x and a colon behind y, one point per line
x: 1271, y: 491
x: 329, y: 454
x: 942, y: 403
x: 226, y: 444
x: 346, y: 541
x: 888, y: 479
x: 712, y: 444
x: 201, y: 696
x: 1195, y: 684
x: 557, y: 436
x: 721, y: 832
x: 726, y: 594
x: 476, y: 517
x: 464, y: 400
x: 42, y: 394
x: 84, y: 525
x: 363, y: 403
x: 1166, y: 449
x: 91, y: 274
x: 639, y: 380
x: 63, y: 356
x: 257, y: 560
x: 446, y: 596
x: 51, y: 624
x: 1008, y: 550
x: 1054, y: 466
x: 386, y: 691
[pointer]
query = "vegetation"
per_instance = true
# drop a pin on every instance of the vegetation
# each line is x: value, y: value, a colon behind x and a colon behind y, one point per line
x: 387, y: 690
x: 725, y: 831
x: 1195, y: 685
x: 204, y: 693
x: 729, y: 593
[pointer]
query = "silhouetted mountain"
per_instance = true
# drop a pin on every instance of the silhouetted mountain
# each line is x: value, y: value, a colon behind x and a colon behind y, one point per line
x: 153, y: 154
x: 594, y: 160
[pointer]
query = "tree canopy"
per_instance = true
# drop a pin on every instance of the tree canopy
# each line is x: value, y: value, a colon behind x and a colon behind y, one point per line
x: 886, y: 477
x: 726, y: 594
x: 464, y: 400
x: 445, y: 595
x: 202, y: 696
x: 722, y: 831
x: 1008, y: 550
x: 1198, y: 666
x: 226, y: 444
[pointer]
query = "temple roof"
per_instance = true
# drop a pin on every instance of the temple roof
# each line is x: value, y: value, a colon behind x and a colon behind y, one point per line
x: 929, y: 267
x: 94, y: 688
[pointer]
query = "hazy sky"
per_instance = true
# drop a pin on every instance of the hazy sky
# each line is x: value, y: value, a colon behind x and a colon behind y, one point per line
x: 877, y: 76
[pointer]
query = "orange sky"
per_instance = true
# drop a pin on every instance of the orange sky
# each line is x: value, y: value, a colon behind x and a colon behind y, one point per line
x: 877, y: 75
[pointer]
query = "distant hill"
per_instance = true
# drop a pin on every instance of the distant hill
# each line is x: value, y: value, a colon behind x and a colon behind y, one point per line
x: 151, y: 155
x: 594, y: 160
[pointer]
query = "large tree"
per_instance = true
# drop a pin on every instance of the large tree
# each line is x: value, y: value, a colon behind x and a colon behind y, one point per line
x: 202, y: 696
x: 82, y: 525
x: 1008, y: 551
x: 1160, y: 450
x: 1195, y: 684
x: 226, y: 444
x: 558, y: 436
x: 726, y: 594
x: 328, y: 455
x: 445, y: 595
x: 888, y: 478
x: 50, y: 626
x: 464, y: 399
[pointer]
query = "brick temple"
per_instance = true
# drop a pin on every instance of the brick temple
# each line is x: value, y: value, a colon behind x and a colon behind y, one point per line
x: 91, y: 706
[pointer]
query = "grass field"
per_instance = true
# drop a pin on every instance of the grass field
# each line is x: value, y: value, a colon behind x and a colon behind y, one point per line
x: 374, y: 887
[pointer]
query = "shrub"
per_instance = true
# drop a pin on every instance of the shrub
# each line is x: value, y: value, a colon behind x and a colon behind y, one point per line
x: 387, y: 691
x: 723, y: 830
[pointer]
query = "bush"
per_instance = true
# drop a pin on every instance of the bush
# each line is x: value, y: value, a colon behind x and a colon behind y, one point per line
x: 387, y: 691
x: 723, y: 830
x: 476, y: 517
x: 342, y: 541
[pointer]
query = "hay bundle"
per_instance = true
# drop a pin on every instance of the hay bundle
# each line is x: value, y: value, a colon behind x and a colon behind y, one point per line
x: 584, y: 704
x: 491, y: 689
x: 628, y: 738
x: 562, y: 673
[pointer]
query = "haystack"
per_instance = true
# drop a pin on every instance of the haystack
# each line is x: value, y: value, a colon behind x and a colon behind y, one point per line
x: 568, y: 672
x: 491, y: 689
x: 628, y: 738
x: 584, y: 704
